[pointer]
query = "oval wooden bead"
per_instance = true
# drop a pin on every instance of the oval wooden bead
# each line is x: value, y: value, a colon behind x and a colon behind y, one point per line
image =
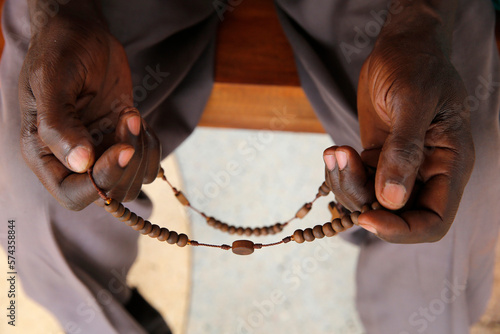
x: 132, y: 221
x: 298, y: 236
x: 328, y: 230
x: 346, y: 221
x: 225, y: 247
x: 231, y: 230
x: 148, y: 227
x: 287, y: 240
x: 308, y: 234
x: 181, y: 198
x: 324, y: 190
x: 354, y: 217
x: 126, y: 215
x: 182, y: 240
x: 224, y: 227
x: 257, y: 246
x: 211, y: 221
x: 119, y: 212
x: 365, y: 208
x: 243, y: 247
x: 164, y: 234
x: 155, y: 231
x: 278, y: 227
x: 337, y: 225
x: 256, y: 232
x: 218, y: 225
x: 112, y: 207
x: 173, y: 237
x: 139, y: 225
x: 240, y: 231
x: 376, y: 206
x: 263, y: 231
x: 318, y: 231
x: 304, y: 210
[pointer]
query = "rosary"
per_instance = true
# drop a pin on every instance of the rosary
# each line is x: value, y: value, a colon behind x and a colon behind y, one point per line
x: 342, y: 219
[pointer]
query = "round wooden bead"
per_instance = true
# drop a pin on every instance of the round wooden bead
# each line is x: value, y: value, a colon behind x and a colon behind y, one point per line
x: 132, y: 221
x: 298, y: 236
x: 139, y: 225
x: 278, y: 227
x: 270, y: 230
x: 224, y: 227
x: 263, y: 231
x: 112, y: 206
x: 346, y: 221
x: 256, y: 232
x: 324, y: 190
x: 365, y: 208
x: 240, y: 231
x: 354, y: 217
x: 182, y: 240
x: 164, y: 234
x: 155, y: 231
x: 304, y: 210
x: 328, y: 230
x: 243, y: 247
x: 126, y: 215
x: 218, y: 225
x: 376, y: 206
x: 308, y: 234
x: 119, y: 212
x: 173, y: 237
x: 231, y: 230
x: 337, y: 225
x: 248, y: 231
x: 211, y: 221
x: 148, y: 227
x: 181, y: 198
x: 318, y: 232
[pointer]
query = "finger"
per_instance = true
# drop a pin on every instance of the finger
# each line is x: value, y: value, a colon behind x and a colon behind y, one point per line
x: 349, y: 179
x: 57, y: 120
x: 153, y: 149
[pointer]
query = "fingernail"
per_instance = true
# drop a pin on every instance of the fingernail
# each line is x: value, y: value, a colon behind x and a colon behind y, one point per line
x: 394, y: 193
x: 341, y: 159
x: 78, y: 159
x: 134, y: 125
x: 369, y: 228
x: 125, y: 156
x: 329, y: 161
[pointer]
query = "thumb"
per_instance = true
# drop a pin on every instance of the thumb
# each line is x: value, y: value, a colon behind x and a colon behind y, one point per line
x: 398, y: 165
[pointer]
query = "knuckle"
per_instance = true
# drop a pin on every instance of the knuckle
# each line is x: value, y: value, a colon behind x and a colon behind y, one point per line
x: 407, y: 154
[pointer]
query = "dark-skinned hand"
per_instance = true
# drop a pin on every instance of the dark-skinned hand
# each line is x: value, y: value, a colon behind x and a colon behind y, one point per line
x: 72, y: 76
x: 418, y: 150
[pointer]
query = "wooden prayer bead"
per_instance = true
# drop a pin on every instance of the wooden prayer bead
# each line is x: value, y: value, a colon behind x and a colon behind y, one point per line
x: 278, y: 227
x: 225, y: 247
x: 112, y: 207
x: 332, y: 206
x: 240, y: 231
x: 119, y: 212
x: 139, y: 225
x: 298, y: 236
x: 248, y: 231
x: 164, y: 234
x: 354, y: 217
x: 231, y: 230
x: 182, y: 240
x: 224, y: 227
x: 211, y: 221
x: 194, y: 243
x: 346, y: 221
x: 324, y: 190
x: 218, y: 225
x: 148, y: 227
x: 365, y: 208
x: 132, y: 221
x: 376, y: 206
x: 270, y: 230
x: 303, y: 211
x: 308, y: 234
x: 181, y: 198
x: 173, y: 237
x: 243, y: 247
x: 263, y: 231
x: 318, y: 232
x: 328, y: 230
x: 257, y: 246
x: 155, y: 231
x: 256, y: 232
x: 126, y: 215
x: 287, y: 240
x: 337, y: 225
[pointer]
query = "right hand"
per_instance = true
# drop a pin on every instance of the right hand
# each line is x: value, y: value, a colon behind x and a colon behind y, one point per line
x: 73, y: 75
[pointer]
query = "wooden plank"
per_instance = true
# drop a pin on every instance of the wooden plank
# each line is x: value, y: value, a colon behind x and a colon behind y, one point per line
x: 284, y: 108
